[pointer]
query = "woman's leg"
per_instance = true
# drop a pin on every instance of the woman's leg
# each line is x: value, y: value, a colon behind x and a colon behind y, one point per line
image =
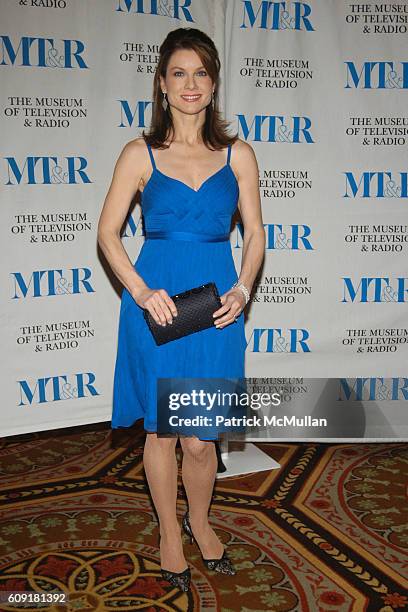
x: 160, y: 466
x: 199, y: 468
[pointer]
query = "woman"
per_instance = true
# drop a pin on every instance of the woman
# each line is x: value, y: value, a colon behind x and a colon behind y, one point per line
x: 192, y: 177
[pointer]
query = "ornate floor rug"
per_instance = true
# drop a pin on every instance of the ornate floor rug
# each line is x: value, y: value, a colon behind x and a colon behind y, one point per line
x: 328, y: 531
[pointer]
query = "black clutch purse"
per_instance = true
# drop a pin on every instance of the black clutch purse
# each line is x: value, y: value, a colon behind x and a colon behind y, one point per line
x: 195, y: 309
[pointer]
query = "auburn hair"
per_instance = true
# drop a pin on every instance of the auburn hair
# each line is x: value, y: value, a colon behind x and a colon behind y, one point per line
x: 214, y: 130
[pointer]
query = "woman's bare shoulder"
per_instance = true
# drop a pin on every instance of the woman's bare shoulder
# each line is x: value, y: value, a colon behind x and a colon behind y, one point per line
x: 134, y: 154
x: 242, y: 155
x: 137, y: 146
x: 242, y: 148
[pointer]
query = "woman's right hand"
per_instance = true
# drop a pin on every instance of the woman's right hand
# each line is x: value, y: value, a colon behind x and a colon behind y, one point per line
x: 158, y: 303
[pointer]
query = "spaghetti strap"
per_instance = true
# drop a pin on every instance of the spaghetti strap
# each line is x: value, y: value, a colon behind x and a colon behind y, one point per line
x: 229, y: 154
x: 151, y: 155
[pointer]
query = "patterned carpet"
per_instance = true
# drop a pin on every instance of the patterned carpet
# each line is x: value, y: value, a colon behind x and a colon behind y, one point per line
x: 328, y: 531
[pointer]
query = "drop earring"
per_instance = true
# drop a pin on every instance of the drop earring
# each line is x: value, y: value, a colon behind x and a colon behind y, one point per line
x: 164, y: 101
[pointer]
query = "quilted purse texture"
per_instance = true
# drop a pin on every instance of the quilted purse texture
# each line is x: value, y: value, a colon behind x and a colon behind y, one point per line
x: 195, y: 308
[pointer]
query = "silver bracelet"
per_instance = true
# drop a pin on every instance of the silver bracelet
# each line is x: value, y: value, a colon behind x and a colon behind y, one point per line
x: 243, y: 289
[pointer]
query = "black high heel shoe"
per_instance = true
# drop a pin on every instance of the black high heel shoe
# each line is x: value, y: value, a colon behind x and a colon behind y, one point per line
x: 177, y: 579
x: 222, y: 565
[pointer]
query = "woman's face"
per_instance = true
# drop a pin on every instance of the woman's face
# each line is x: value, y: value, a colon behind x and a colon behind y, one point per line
x: 188, y: 85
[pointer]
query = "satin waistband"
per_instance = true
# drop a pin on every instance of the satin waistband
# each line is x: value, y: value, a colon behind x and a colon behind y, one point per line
x: 194, y: 236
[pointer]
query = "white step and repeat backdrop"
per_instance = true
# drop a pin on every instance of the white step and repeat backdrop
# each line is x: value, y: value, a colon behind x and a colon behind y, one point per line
x: 319, y: 89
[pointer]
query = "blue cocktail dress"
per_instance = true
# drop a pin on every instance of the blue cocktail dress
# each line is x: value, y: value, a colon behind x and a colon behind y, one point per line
x: 186, y: 244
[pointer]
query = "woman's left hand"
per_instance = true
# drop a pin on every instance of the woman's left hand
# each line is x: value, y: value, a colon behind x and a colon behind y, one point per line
x: 233, y: 303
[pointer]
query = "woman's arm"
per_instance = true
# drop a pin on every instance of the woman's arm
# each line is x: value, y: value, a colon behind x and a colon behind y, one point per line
x: 129, y: 169
x: 127, y: 173
x: 245, y: 166
x: 249, y: 205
